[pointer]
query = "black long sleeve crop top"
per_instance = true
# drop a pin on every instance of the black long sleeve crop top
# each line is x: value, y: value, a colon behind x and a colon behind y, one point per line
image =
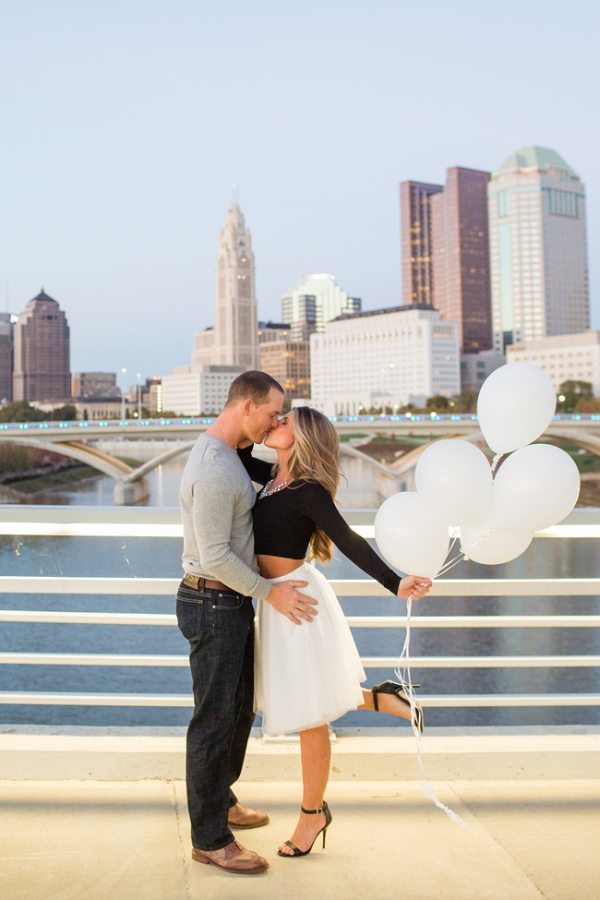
x: 285, y: 521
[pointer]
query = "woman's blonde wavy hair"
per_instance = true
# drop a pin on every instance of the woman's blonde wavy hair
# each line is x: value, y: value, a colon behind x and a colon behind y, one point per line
x: 315, y: 456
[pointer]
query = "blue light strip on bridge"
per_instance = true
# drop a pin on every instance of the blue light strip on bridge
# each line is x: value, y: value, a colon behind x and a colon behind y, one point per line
x: 177, y: 423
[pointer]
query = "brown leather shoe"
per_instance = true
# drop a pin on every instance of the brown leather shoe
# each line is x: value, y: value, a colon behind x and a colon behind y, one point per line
x: 232, y: 858
x: 242, y: 817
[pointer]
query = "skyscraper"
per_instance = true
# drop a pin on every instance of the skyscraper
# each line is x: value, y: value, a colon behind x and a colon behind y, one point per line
x: 537, y: 248
x: 306, y: 323
x: 42, y: 352
x: 230, y: 347
x: 314, y: 300
x: 461, y: 258
x: 234, y: 339
x: 445, y: 252
x: 6, y: 355
x: 416, y: 242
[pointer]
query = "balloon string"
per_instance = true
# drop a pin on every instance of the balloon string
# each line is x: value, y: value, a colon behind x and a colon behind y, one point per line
x: 450, y: 565
x: 403, y: 666
x: 496, y: 460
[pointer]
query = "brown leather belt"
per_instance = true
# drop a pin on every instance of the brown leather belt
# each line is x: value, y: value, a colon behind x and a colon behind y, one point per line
x: 201, y: 583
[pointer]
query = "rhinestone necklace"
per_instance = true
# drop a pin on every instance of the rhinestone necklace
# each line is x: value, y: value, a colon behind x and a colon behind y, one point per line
x: 268, y: 490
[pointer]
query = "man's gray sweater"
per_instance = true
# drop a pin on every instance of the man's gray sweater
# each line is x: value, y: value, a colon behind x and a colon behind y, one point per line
x: 217, y: 497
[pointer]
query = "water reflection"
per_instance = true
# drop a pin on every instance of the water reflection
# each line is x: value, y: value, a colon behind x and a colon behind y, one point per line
x: 164, y: 489
x: 358, y: 490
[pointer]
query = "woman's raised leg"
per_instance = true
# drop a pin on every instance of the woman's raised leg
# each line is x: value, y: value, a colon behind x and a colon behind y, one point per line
x: 388, y: 703
x: 315, y: 748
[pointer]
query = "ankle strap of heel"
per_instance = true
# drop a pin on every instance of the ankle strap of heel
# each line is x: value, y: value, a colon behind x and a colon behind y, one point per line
x: 314, y: 812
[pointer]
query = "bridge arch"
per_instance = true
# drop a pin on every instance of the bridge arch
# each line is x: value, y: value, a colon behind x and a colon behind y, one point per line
x: 132, y: 486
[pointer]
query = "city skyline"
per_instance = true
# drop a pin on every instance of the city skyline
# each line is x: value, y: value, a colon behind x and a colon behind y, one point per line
x: 444, y: 234
x: 423, y: 210
x: 121, y: 153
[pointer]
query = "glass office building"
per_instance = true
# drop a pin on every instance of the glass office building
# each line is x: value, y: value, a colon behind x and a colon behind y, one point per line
x: 538, y: 253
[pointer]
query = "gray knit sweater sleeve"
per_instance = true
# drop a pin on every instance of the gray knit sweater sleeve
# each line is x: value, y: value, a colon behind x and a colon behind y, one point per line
x: 216, y: 503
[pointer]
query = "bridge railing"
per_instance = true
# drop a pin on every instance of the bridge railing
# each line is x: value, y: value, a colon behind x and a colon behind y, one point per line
x: 344, y: 588
x: 195, y: 422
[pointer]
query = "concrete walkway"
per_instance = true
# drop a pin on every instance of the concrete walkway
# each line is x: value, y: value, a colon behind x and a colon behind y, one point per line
x: 89, y: 840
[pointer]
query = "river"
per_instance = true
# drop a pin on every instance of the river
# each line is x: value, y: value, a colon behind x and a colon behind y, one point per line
x: 160, y: 557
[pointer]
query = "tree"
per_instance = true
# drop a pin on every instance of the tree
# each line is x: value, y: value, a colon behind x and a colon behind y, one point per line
x: 465, y: 402
x: 571, y: 392
x: 67, y: 413
x: 21, y: 411
x: 437, y: 404
x: 588, y: 407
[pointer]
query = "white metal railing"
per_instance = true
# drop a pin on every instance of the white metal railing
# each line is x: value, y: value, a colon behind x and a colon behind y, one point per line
x: 343, y: 587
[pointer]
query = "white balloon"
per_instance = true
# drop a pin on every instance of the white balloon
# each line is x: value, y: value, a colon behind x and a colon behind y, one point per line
x: 483, y: 542
x: 515, y: 406
x: 409, y: 536
x: 454, y: 479
x: 535, y: 487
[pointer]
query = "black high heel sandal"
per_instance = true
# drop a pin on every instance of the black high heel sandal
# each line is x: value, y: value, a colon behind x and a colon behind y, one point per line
x: 399, y: 690
x: 310, y: 812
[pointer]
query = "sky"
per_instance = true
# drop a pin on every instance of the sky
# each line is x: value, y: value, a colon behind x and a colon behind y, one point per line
x: 124, y: 125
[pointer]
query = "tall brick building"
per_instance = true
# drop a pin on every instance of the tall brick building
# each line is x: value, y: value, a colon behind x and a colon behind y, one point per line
x: 416, y: 244
x: 42, y: 352
x: 445, y: 252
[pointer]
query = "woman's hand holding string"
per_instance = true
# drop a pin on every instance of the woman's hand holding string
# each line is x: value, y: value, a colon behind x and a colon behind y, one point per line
x: 413, y: 587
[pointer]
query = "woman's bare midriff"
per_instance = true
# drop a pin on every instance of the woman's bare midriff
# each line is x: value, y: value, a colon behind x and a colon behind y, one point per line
x: 276, y: 566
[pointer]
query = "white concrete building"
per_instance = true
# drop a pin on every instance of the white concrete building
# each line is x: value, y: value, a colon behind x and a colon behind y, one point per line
x: 191, y: 390
x: 330, y: 300
x: 384, y: 357
x: 564, y: 357
x: 475, y: 368
x: 538, y: 257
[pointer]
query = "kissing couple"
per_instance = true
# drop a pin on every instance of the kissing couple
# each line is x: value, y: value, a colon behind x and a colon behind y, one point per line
x: 306, y: 670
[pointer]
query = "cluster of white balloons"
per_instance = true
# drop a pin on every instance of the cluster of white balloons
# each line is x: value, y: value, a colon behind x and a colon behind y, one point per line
x: 537, y: 486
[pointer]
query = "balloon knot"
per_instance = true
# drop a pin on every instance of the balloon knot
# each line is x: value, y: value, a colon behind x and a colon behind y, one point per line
x: 496, y: 460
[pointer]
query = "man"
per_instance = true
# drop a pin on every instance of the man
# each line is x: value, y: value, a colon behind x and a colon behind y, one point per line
x: 215, y: 614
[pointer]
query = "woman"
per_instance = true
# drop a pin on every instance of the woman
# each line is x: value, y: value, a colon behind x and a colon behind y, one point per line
x: 309, y: 676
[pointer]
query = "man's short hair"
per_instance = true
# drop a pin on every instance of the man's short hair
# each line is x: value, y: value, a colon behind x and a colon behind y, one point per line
x: 253, y: 385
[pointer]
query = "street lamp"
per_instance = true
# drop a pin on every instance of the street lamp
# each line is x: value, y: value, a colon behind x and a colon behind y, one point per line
x: 138, y: 376
x: 123, y: 371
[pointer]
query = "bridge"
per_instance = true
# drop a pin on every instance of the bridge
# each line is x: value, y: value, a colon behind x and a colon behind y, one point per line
x: 77, y: 440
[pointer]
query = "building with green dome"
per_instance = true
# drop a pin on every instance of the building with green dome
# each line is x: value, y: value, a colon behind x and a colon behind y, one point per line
x: 538, y: 254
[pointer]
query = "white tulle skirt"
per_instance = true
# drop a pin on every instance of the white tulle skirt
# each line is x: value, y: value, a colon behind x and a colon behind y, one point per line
x: 310, y: 674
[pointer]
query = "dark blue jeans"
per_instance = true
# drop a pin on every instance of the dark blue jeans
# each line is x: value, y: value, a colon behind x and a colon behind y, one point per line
x: 220, y: 628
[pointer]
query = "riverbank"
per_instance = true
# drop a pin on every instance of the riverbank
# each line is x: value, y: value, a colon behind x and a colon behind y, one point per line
x: 25, y: 489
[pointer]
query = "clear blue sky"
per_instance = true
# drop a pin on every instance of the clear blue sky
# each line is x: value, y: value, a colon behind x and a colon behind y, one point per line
x: 124, y: 124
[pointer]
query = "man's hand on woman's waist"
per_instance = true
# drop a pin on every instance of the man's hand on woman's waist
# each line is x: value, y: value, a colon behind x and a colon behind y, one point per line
x: 284, y: 597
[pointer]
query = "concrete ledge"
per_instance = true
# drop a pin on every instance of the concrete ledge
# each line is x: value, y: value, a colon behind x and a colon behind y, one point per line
x: 448, y: 755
